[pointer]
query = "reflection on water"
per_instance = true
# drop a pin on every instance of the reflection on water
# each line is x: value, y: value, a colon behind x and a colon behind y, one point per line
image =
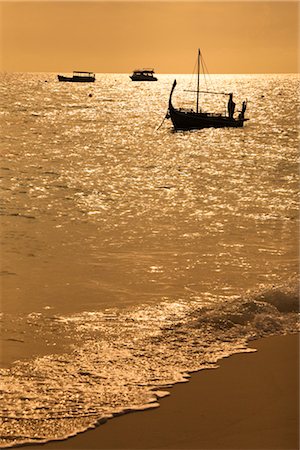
x: 131, y: 246
x: 93, y: 196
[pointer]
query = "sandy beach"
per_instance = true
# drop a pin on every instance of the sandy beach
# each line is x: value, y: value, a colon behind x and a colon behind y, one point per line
x: 250, y: 402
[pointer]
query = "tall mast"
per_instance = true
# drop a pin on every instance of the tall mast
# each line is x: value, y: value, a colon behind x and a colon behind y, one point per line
x: 198, y: 79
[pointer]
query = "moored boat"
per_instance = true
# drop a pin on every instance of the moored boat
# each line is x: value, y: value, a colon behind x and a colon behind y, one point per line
x: 79, y: 77
x: 190, y: 120
x: 143, y: 75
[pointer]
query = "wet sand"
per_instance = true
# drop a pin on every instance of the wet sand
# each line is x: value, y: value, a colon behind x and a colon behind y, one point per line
x: 250, y: 402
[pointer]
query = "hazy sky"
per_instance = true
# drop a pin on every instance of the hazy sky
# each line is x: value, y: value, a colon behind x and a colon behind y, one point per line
x: 235, y: 37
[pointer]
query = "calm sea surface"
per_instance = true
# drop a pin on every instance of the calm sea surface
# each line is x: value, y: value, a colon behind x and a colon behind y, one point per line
x: 132, y: 256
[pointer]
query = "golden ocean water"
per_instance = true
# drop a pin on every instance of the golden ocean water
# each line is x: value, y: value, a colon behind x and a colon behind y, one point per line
x: 132, y: 255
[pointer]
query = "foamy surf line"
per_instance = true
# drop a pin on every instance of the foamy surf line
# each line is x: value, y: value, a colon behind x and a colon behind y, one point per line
x: 207, y: 412
x: 126, y: 360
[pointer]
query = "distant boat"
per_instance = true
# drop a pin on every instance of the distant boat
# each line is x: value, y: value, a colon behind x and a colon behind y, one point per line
x: 79, y: 77
x: 194, y: 120
x: 143, y: 75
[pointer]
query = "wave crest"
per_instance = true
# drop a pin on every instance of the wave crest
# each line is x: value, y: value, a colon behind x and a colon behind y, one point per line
x: 285, y: 298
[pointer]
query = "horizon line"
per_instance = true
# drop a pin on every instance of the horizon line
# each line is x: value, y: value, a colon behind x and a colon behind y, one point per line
x: 157, y: 73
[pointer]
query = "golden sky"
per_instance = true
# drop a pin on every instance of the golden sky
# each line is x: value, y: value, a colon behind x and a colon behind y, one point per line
x: 118, y: 36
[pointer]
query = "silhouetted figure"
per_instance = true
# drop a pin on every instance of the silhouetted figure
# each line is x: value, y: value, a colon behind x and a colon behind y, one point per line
x: 242, y: 112
x: 244, y: 106
x: 230, y: 106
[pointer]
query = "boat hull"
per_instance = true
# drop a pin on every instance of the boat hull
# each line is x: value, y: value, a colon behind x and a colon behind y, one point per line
x: 185, y: 120
x: 75, y: 79
x: 142, y: 78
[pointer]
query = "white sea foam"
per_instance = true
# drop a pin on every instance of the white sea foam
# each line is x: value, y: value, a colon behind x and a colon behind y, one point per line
x: 132, y: 257
x: 123, y: 360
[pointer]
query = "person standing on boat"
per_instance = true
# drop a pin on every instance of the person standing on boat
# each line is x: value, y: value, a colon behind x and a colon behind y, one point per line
x: 230, y: 106
x: 244, y: 106
x: 242, y: 112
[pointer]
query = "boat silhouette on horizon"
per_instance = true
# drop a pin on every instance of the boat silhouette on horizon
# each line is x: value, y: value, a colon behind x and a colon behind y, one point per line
x: 143, y: 75
x: 78, y: 77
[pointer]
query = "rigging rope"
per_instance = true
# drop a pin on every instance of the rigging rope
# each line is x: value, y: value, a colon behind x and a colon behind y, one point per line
x: 204, y: 67
x: 162, y: 121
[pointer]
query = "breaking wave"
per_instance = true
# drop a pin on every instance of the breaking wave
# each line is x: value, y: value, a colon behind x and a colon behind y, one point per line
x: 126, y: 359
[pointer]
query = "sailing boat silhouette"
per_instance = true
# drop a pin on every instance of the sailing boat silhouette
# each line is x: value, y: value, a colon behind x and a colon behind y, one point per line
x: 191, y: 120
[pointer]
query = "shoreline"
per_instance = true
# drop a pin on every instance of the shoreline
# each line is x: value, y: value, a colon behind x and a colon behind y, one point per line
x: 251, y: 401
